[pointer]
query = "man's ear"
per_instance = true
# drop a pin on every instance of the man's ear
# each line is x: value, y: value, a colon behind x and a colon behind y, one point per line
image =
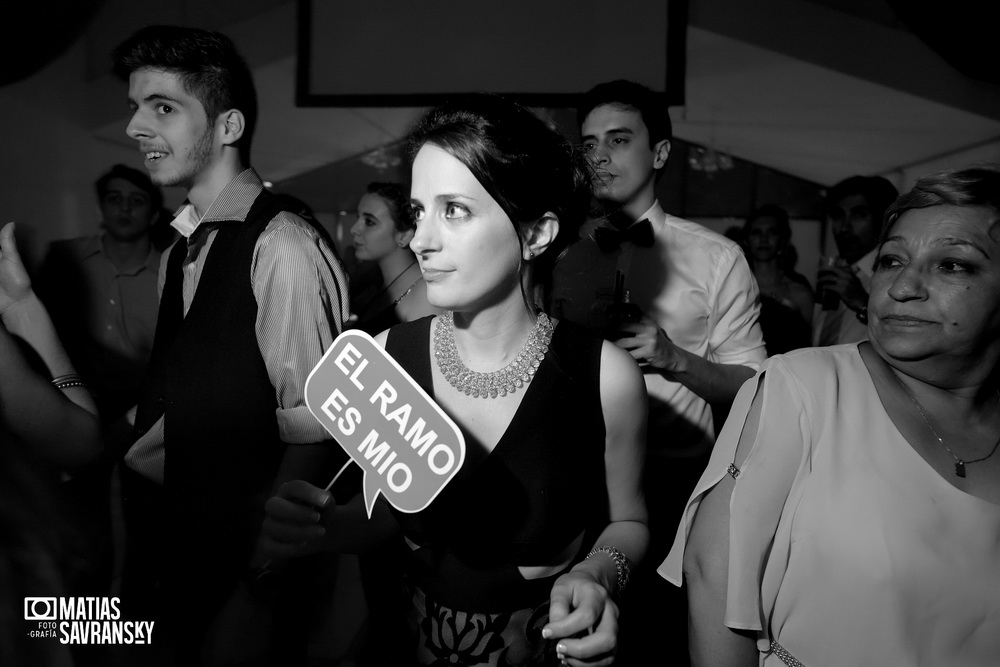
x: 231, y: 126
x: 541, y: 234
x: 661, y: 151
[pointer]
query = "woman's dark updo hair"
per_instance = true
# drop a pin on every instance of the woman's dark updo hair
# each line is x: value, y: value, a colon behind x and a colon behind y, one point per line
x: 528, y: 167
x: 397, y: 201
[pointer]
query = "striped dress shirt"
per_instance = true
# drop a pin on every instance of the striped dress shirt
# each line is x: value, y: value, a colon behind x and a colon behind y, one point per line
x: 301, y: 291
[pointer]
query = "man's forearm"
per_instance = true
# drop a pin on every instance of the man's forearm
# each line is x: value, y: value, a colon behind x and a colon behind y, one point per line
x: 714, y: 382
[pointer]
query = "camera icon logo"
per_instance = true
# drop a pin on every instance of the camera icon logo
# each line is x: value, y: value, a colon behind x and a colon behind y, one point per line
x: 40, y: 609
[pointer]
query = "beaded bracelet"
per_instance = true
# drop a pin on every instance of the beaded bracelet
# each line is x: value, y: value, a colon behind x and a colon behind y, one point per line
x: 67, y: 381
x: 622, y: 565
x: 67, y: 385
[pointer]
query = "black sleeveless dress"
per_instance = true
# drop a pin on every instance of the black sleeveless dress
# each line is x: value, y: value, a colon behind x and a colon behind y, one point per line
x: 521, y: 504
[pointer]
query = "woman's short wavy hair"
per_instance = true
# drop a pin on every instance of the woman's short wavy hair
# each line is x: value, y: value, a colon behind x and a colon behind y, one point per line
x: 973, y: 186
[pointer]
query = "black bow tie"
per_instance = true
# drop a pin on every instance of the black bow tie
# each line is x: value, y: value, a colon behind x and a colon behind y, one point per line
x: 611, y: 238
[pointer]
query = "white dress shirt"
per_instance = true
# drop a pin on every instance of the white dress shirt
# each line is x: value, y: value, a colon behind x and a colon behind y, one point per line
x: 696, y: 284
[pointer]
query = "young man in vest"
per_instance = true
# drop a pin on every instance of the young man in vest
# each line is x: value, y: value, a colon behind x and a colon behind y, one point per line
x: 251, y: 297
x: 694, y: 332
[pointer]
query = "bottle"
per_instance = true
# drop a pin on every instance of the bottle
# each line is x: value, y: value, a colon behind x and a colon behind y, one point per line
x: 620, y: 311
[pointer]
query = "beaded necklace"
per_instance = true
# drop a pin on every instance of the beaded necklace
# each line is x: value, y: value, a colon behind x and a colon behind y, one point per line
x: 501, y: 382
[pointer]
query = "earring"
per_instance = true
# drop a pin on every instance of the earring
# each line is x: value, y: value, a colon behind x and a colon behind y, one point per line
x: 531, y: 255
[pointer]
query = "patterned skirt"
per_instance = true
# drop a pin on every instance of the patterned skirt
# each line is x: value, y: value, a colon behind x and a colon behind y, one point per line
x: 453, y: 638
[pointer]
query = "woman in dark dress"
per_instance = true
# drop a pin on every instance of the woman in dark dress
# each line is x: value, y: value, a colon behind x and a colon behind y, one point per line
x: 48, y: 430
x: 786, y: 303
x: 382, y: 234
x: 521, y: 558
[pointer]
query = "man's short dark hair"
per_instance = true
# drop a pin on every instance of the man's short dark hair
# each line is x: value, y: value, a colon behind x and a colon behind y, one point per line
x: 652, y: 106
x: 137, y: 178
x: 877, y: 191
x: 208, y: 64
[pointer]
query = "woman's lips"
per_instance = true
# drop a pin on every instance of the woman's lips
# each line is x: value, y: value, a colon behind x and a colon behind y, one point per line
x: 907, y: 321
x: 430, y: 275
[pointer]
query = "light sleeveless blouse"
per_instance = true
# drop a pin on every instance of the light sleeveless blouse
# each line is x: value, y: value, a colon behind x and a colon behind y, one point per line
x: 846, y: 546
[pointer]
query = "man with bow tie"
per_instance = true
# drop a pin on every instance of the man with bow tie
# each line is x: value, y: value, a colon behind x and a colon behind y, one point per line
x: 697, y: 338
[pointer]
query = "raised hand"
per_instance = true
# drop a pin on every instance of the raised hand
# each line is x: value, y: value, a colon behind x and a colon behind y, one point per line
x: 15, y: 284
x: 845, y: 283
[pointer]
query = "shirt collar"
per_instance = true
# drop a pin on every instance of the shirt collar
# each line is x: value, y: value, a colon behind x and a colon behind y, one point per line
x: 654, y: 214
x: 232, y: 203
x: 185, y: 220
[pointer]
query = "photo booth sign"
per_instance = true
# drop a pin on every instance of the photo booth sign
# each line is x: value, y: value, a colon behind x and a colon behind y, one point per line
x: 408, y: 448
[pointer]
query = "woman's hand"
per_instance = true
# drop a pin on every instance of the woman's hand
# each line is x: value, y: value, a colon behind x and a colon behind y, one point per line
x: 584, y: 619
x: 292, y: 520
x: 15, y: 285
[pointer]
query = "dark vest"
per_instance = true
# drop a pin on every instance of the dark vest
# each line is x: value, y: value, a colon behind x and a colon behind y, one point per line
x: 208, y: 380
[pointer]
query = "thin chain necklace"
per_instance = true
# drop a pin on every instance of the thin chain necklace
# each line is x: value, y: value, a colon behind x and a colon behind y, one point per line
x: 408, y: 290
x: 959, y: 463
x: 385, y: 290
x: 501, y: 382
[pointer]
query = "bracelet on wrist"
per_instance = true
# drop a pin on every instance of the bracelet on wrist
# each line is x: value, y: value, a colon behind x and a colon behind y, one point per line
x: 623, y: 566
x: 67, y: 381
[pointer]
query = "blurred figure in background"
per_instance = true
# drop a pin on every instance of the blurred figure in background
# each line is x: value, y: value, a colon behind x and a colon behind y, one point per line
x: 786, y: 305
x: 854, y: 210
x: 101, y: 290
x: 382, y: 234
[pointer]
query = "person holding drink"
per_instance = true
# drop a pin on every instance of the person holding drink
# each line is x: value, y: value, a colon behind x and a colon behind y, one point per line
x: 697, y: 340
x: 854, y: 210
